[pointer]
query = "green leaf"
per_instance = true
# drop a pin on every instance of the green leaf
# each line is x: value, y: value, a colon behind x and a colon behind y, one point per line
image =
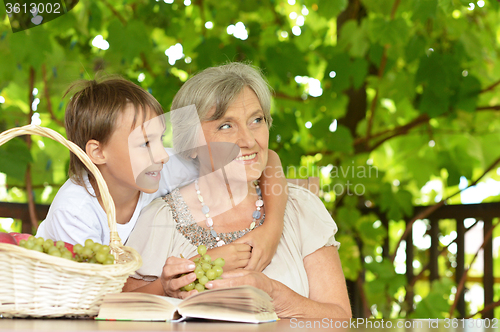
x: 341, y: 140
x: 127, y: 42
x: 286, y: 61
x: 330, y: 8
x: 425, y: 9
x: 436, y: 304
x: 349, y: 256
x: 468, y: 93
x: 14, y: 158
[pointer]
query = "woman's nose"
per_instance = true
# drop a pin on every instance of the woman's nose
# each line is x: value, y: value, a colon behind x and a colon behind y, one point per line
x: 246, y: 138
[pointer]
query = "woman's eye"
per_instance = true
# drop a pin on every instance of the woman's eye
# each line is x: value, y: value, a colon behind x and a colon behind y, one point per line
x: 259, y: 119
x: 145, y: 145
x: 225, y: 126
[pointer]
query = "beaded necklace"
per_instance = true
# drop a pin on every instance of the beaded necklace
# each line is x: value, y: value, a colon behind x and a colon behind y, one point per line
x: 210, y: 223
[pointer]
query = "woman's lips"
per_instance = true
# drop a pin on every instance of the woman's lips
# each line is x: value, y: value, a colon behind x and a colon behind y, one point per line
x: 248, y: 158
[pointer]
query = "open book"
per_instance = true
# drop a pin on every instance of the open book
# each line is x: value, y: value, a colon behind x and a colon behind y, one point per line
x: 238, y: 304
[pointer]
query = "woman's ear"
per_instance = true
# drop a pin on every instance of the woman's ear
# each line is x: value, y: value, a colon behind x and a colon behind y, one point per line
x: 94, y: 150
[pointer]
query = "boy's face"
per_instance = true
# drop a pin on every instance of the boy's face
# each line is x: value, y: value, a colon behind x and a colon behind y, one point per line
x: 135, y: 156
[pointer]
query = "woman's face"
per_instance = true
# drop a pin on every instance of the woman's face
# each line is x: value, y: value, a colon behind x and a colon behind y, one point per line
x: 244, y: 125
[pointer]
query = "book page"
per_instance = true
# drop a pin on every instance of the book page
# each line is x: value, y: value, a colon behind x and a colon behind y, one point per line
x: 138, y: 306
x: 226, y: 314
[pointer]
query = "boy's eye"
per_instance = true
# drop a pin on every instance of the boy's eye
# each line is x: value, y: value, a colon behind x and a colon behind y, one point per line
x: 145, y: 145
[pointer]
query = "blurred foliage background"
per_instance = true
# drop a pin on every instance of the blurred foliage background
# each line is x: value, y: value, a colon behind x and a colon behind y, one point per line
x: 391, y: 103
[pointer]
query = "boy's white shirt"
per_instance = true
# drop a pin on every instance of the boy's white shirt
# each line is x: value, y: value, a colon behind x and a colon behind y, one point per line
x: 75, y: 215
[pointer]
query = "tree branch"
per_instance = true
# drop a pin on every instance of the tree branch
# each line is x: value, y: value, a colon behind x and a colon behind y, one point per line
x: 47, y: 96
x: 428, y: 211
x: 381, y: 69
x: 488, y: 108
x: 116, y: 13
x: 281, y: 95
x: 146, y: 65
x: 29, y: 189
x: 491, y: 87
x: 487, y: 308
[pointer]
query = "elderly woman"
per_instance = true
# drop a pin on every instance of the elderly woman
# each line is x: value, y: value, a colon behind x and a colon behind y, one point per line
x: 305, y: 277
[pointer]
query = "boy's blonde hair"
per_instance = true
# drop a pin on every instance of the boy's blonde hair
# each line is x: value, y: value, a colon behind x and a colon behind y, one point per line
x: 92, y: 112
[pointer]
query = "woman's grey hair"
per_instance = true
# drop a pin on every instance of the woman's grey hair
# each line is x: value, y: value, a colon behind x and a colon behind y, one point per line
x: 214, y: 87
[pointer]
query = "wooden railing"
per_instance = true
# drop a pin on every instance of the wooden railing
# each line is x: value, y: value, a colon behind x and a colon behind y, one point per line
x: 485, y: 212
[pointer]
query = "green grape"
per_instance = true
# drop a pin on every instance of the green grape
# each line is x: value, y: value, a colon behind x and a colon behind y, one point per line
x: 101, y: 257
x: 37, y: 247
x: 96, y: 247
x: 89, y: 242
x: 52, y: 250
x: 189, y: 287
x: 67, y: 254
x: 206, y: 266
x: 111, y: 258
x: 39, y: 240
x: 47, y: 245
x: 77, y: 248
x: 109, y: 262
x: 30, y: 244
x: 220, y: 262
x: 86, y: 252
x: 218, y: 270
x: 31, y: 237
x: 22, y: 243
x: 203, y: 280
x: 60, y: 244
x: 199, y: 274
x: 196, y: 260
x: 104, y: 249
x: 199, y: 287
x: 211, y: 274
x: 183, y: 289
x: 206, y: 258
x: 202, y: 250
x: 93, y: 260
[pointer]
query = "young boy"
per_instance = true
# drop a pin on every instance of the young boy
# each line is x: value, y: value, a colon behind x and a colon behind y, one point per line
x: 117, y: 124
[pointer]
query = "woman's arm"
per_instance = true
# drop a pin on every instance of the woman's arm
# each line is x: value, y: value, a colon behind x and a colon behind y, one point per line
x: 176, y: 273
x: 264, y: 240
x: 327, y: 289
x: 139, y: 285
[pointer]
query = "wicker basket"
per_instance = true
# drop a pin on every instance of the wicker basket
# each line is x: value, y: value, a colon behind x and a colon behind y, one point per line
x: 39, y: 285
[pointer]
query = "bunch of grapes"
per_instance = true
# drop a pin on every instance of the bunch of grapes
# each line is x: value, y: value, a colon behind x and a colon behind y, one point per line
x: 93, y: 253
x: 48, y: 246
x: 205, y: 270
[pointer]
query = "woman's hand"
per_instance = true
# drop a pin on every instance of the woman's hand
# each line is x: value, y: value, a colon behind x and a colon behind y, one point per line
x: 264, y: 245
x: 276, y: 290
x: 171, y: 279
x: 236, y: 255
x: 242, y: 277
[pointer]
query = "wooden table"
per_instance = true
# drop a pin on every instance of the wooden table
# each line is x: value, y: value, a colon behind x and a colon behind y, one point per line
x: 285, y: 325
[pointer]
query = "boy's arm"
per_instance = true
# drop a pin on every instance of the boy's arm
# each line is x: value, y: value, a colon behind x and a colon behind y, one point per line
x: 264, y: 240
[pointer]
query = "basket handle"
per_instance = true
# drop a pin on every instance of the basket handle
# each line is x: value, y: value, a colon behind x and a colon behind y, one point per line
x: 107, y: 201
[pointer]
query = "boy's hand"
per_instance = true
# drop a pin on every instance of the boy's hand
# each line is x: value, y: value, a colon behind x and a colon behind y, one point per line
x: 236, y: 255
x: 264, y: 245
